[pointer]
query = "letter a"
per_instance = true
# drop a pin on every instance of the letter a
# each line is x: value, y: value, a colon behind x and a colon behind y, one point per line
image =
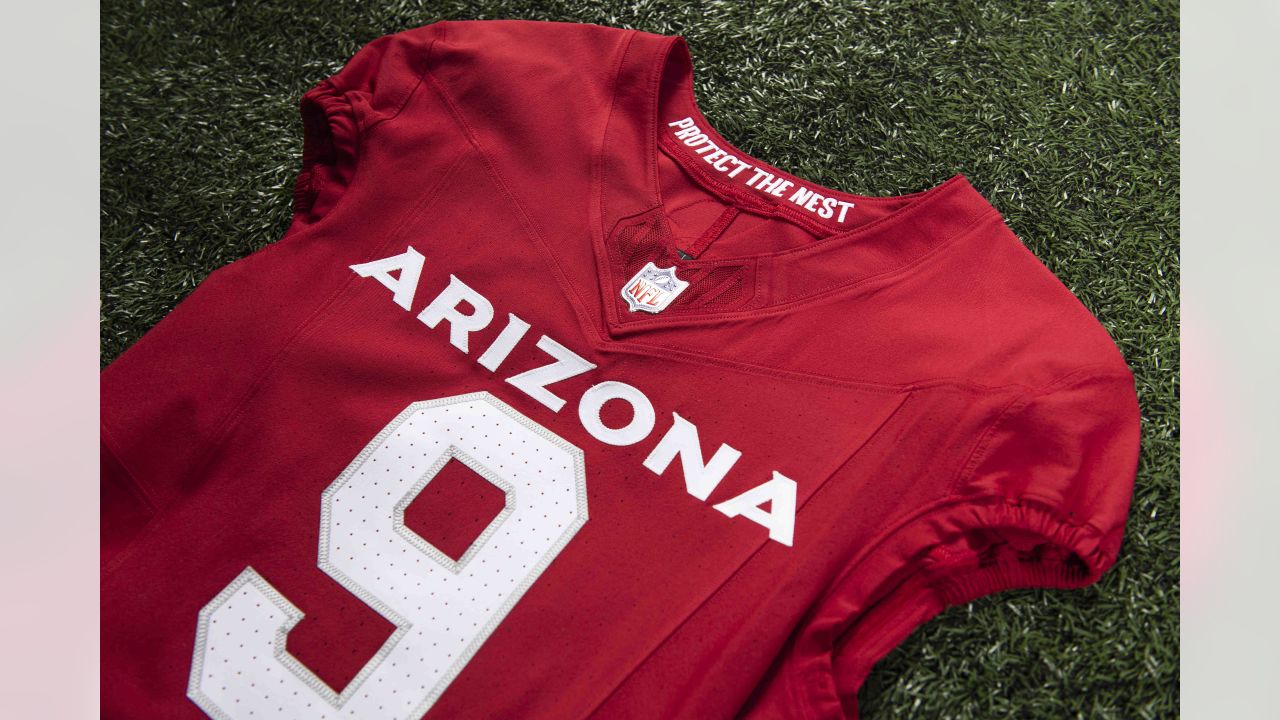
x: 780, y: 492
x: 409, y: 263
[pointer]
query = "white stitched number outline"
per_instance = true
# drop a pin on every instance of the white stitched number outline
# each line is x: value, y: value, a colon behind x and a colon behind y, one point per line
x: 443, y: 610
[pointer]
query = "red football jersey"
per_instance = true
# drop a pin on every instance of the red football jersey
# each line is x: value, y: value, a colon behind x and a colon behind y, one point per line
x: 552, y: 403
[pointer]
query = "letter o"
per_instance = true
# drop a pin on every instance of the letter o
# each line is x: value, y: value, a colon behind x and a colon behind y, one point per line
x: 642, y: 416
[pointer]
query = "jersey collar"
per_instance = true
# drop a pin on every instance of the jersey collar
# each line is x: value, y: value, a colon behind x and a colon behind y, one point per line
x: 629, y: 225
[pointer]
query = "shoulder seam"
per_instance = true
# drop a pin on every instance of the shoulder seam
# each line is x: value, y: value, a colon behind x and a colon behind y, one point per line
x: 143, y: 491
x: 140, y: 491
x: 402, y: 103
x: 1016, y: 403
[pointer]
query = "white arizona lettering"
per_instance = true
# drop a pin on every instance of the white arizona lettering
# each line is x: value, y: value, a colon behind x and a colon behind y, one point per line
x: 445, y: 307
x: 402, y: 288
x: 682, y: 439
x: 701, y: 479
x: 642, y: 417
x: 780, y: 518
x: 534, y: 382
x: 504, y: 343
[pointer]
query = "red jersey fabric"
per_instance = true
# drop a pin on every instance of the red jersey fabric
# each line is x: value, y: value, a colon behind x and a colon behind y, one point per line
x: 859, y: 411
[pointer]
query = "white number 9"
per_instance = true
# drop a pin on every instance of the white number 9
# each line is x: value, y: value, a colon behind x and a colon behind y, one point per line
x: 443, y: 610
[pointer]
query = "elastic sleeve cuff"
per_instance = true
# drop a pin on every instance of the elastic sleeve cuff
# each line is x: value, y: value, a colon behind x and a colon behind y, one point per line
x: 329, y: 150
x: 1008, y: 544
x: 955, y: 554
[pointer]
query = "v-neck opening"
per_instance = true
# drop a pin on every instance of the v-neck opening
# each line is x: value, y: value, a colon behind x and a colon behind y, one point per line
x: 635, y: 227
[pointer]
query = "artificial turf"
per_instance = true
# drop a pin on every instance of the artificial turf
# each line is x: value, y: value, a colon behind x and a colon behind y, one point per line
x: 1064, y: 114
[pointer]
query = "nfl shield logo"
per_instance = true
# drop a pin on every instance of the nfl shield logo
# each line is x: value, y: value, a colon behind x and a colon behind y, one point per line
x: 652, y: 289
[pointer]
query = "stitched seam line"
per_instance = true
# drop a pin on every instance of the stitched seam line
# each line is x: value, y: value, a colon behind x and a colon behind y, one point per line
x: 915, y: 208
x: 306, y: 324
x: 317, y: 182
x: 138, y: 488
x: 600, y: 252
x: 1019, y: 402
x: 712, y: 233
x: 760, y: 206
x: 603, y: 251
x: 530, y: 227
x: 796, y: 376
x: 224, y: 429
x: 892, y: 273
x: 914, y: 514
x: 941, y: 504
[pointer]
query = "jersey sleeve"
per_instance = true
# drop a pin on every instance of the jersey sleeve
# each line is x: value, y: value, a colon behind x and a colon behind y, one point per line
x: 169, y: 399
x: 1040, y: 502
x: 1046, y: 492
x: 378, y: 137
x: 338, y: 113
